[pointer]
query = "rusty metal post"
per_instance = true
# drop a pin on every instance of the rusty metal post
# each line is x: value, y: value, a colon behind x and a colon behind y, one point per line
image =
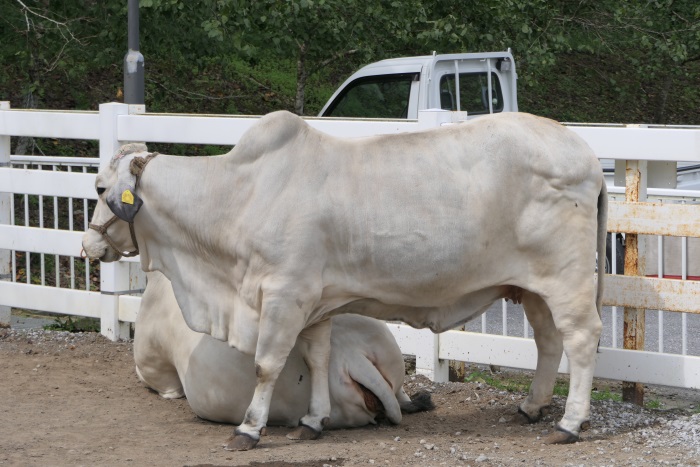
x: 635, y: 265
x: 456, y: 370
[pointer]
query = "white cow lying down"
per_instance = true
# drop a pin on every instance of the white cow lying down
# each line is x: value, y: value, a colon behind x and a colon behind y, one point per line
x: 264, y: 244
x: 366, y: 368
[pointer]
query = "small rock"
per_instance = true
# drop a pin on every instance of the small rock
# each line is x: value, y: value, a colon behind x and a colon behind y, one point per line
x: 481, y: 458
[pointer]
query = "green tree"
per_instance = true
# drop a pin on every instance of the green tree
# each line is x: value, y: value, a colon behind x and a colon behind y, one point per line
x: 315, y: 33
x: 658, y: 39
x: 44, y: 38
x: 533, y: 29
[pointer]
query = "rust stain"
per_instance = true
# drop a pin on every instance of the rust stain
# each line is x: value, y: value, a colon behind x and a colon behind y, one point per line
x: 633, y: 317
x: 634, y: 329
x: 681, y: 220
x: 652, y: 293
x: 632, y: 255
x: 633, y: 178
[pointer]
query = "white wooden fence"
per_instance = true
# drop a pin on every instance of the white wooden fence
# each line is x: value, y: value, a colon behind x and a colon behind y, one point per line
x: 116, y: 305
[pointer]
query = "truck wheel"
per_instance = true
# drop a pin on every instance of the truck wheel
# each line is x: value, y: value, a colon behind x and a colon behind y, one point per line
x: 619, y: 254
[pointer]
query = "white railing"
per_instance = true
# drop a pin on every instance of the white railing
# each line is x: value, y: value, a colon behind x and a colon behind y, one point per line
x: 116, y: 303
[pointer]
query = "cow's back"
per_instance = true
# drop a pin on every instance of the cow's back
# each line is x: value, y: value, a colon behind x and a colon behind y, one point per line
x: 430, y: 215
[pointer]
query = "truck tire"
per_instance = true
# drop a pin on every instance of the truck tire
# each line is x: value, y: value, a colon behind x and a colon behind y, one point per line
x: 619, y: 254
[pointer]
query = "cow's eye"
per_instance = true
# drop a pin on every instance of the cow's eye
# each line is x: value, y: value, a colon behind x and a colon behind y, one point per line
x: 100, y: 190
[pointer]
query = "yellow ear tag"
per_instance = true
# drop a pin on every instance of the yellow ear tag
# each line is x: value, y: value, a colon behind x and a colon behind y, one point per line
x: 127, y: 197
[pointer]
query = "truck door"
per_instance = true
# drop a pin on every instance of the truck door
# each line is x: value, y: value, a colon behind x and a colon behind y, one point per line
x: 378, y: 96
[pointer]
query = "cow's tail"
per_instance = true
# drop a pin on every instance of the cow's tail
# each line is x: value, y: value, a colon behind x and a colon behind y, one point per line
x: 369, y: 377
x: 602, y: 238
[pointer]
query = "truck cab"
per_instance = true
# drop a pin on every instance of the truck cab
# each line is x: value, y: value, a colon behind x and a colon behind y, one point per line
x: 472, y: 83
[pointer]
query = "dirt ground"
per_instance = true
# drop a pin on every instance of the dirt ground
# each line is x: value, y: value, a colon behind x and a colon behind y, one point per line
x: 67, y: 400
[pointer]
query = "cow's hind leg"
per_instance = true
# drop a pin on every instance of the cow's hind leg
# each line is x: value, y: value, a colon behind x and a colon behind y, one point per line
x: 549, y: 350
x: 576, y: 317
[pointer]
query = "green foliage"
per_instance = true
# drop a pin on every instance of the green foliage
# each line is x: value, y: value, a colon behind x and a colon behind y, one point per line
x: 313, y: 33
x: 605, y: 394
x: 74, y: 324
x: 653, y: 404
x: 633, y: 61
x: 511, y: 383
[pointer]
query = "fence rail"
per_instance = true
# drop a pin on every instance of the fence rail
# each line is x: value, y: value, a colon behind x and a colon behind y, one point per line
x: 34, y: 181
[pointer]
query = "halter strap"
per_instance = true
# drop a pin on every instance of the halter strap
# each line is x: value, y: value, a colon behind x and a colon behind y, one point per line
x: 102, y: 229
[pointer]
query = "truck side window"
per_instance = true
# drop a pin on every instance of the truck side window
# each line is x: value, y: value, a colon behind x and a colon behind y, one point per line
x: 473, y: 90
x: 383, y: 96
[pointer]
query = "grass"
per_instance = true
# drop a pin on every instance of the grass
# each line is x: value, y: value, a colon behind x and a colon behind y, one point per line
x: 520, y: 383
x: 653, y: 404
x: 74, y: 324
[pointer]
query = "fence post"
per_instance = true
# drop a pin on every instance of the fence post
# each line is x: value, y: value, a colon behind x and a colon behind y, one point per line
x: 635, y: 265
x: 427, y: 361
x: 5, y: 218
x: 114, y: 277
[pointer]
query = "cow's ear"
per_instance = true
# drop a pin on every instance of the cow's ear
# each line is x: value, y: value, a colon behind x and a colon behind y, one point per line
x: 124, y: 203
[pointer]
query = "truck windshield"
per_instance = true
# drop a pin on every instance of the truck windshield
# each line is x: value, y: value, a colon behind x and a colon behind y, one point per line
x: 473, y: 91
x: 383, y: 96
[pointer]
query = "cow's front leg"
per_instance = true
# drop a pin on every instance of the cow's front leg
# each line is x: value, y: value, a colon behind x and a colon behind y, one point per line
x: 315, y: 346
x: 280, y: 326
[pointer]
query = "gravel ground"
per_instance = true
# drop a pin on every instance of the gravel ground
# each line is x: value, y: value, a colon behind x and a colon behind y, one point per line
x: 73, y: 399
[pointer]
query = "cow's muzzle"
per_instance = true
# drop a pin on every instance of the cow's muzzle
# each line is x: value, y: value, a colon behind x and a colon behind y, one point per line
x: 102, y: 230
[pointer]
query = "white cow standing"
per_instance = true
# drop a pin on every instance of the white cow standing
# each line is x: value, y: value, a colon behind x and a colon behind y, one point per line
x: 366, y: 368
x: 264, y: 244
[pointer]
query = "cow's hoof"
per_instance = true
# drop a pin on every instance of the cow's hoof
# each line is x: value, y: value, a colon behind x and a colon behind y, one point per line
x: 561, y: 437
x: 522, y: 418
x: 303, y: 432
x: 240, y: 442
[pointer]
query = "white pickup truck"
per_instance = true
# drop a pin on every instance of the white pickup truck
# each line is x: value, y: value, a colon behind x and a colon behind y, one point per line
x: 474, y: 83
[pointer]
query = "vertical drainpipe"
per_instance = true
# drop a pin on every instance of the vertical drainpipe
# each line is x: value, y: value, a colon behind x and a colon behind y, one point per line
x: 488, y: 80
x: 457, y: 91
x: 133, y: 61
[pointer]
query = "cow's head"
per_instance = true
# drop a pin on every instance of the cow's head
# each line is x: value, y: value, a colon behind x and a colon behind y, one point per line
x: 110, y: 235
x: 120, y: 188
